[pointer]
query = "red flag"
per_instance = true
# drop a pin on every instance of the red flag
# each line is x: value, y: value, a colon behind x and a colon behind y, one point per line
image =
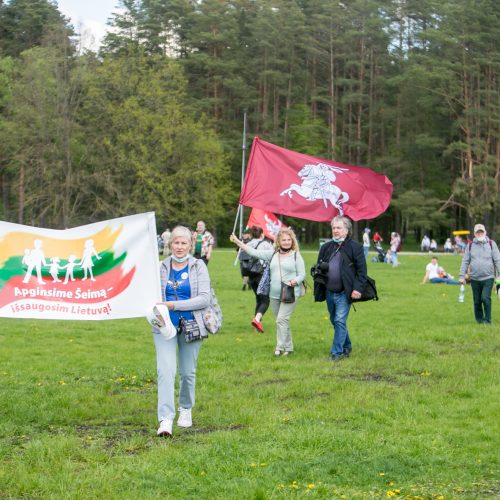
x: 299, y: 185
x: 266, y: 220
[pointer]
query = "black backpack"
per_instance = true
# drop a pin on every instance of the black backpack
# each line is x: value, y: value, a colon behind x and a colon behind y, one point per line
x: 252, y: 266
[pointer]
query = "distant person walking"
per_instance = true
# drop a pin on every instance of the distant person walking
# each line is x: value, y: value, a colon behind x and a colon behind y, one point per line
x: 203, y: 242
x: 165, y: 236
x: 244, y: 260
x: 366, y: 241
x: 395, y: 247
x: 255, y: 270
x: 481, y: 261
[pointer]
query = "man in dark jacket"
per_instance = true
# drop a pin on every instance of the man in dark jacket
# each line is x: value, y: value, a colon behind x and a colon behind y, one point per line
x: 344, y: 265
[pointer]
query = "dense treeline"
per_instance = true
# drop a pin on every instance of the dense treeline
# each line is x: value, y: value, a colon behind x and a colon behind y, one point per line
x: 154, y: 121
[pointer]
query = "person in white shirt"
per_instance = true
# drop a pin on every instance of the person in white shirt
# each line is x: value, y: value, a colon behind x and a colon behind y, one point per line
x: 448, y: 247
x: 366, y: 241
x: 434, y: 273
x: 425, y: 244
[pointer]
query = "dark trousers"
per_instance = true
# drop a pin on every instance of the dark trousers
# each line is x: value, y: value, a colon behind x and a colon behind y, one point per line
x: 261, y: 301
x: 481, y: 293
x: 198, y: 256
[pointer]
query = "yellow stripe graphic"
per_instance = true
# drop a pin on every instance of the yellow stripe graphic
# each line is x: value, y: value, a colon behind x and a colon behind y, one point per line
x: 15, y: 243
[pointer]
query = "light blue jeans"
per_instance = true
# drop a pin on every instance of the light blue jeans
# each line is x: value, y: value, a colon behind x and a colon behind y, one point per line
x: 394, y: 258
x: 448, y: 281
x: 166, y: 363
x: 339, y: 307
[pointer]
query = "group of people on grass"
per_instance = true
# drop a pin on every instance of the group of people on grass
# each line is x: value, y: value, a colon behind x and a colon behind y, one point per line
x: 186, y: 292
x: 185, y: 286
x: 457, y: 246
x: 389, y: 257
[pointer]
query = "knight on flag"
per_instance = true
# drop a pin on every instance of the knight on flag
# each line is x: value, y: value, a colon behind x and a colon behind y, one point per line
x: 290, y: 183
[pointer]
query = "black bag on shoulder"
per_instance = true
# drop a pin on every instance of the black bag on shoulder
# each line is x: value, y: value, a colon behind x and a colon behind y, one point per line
x: 369, y: 291
x: 190, y: 329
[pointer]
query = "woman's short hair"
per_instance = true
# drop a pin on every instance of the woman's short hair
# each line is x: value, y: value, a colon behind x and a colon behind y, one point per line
x: 345, y: 220
x: 180, y: 232
x: 291, y: 233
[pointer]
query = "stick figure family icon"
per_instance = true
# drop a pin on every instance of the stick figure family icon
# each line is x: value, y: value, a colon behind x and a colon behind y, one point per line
x: 34, y: 259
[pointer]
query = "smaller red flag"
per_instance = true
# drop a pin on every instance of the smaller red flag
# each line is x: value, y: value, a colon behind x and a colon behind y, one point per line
x: 266, y: 220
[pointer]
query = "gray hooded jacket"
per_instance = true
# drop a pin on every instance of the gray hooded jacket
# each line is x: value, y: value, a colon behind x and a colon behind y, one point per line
x: 199, y: 281
x: 482, y: 259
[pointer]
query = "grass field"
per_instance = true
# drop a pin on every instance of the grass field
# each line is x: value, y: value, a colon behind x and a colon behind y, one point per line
x: 413, y: 413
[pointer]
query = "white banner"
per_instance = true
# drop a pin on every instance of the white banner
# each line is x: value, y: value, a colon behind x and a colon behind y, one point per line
x: 106, y: 270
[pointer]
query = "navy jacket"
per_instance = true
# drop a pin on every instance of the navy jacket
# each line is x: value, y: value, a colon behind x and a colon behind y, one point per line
x: 353, y: 267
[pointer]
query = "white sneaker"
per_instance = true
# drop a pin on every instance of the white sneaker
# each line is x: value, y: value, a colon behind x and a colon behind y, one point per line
x: 165, y: 428
x: 184, y: 419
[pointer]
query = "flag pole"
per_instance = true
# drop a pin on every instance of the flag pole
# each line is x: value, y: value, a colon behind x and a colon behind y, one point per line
x: 243, y: 161
x: 240, y: 209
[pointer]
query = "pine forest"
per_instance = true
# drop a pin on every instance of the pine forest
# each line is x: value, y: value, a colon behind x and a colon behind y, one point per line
x: 153, y: 118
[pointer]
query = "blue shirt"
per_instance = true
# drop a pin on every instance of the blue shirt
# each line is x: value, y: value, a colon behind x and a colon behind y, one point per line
x: 178, y: 288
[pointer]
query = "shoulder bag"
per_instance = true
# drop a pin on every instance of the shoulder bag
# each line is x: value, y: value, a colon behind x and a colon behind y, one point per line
x: 187, y: 327
x: 369, y: 291
x: 287, y: 295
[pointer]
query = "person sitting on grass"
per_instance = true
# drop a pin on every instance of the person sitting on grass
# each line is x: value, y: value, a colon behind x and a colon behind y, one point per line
x: 434, y: 273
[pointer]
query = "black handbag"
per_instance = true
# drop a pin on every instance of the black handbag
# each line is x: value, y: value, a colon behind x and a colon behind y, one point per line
x: 187, y: 327
x: 190, y: 329
x: 287, y: 295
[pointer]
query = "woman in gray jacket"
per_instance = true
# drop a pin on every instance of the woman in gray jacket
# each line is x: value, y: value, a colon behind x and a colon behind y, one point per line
x: 185, y: 288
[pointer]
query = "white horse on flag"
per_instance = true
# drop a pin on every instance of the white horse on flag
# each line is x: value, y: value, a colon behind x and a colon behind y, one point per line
x: 317, y: 184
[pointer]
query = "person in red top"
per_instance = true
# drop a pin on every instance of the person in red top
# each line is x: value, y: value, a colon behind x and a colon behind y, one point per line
x: 377, y: 237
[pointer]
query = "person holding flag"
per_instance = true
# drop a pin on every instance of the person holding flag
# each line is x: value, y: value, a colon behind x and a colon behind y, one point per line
x: 286, y: 266
x: 255, y: 270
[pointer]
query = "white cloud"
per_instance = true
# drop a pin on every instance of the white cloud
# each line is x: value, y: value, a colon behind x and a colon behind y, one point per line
x: 89, y: 18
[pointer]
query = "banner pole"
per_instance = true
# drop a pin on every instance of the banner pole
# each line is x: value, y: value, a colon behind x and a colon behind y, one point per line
x: 243, y: 161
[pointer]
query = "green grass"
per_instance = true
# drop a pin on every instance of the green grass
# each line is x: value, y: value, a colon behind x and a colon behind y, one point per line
x: 413, y: 412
